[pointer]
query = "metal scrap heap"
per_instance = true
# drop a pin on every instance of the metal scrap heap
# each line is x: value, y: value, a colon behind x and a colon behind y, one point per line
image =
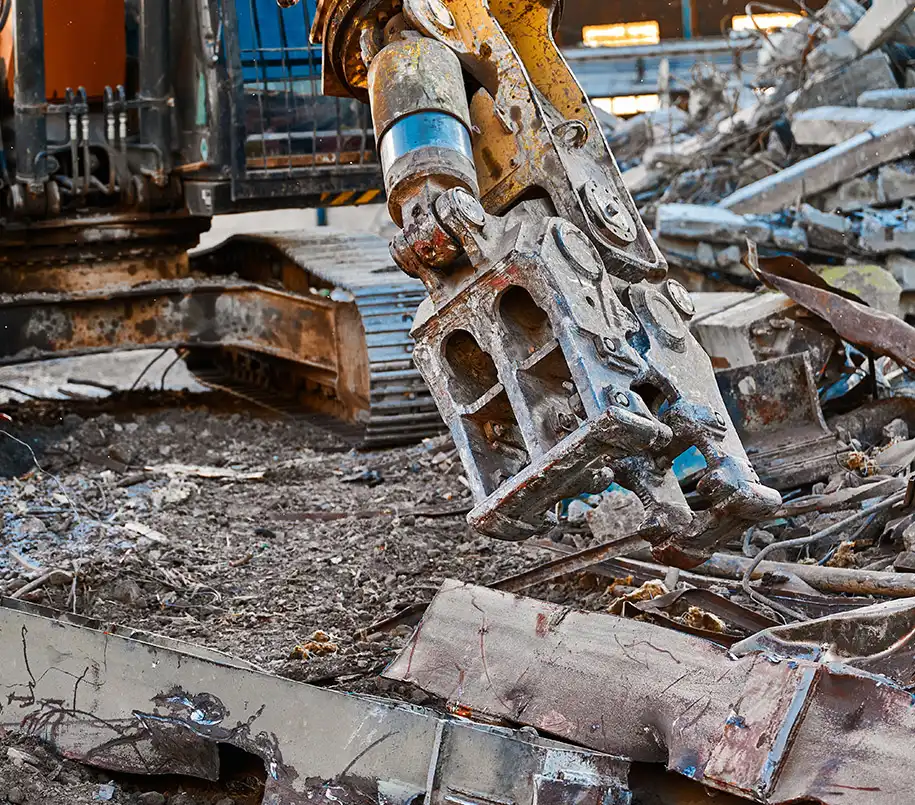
x: 816, y: 161
x: 775, y: 663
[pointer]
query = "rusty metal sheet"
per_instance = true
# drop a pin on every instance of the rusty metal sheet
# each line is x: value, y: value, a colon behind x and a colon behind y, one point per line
x: 757, y: 734
x: 776, y: 409
x: 879, y: 638
x: 770, y: 728
x: 79, y: 276
x: 171, y: 313
x: 791, y: 268
x: 853, y: 321
x: 149, y: 705
x: 864, y: 745
x: 567, y: 672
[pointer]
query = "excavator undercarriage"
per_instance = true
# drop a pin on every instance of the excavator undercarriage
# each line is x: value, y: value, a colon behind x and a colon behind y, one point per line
x: 312, y: 323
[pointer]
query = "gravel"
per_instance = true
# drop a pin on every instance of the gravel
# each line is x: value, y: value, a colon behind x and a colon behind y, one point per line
x: 284, y: 562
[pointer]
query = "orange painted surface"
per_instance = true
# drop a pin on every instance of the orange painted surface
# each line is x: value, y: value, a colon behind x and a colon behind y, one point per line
x: 6, y: 54
x: 85, y: 45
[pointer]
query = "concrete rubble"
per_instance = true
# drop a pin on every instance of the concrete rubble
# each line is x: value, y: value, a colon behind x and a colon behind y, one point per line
x: 574, y: 668
x: 818, y: 164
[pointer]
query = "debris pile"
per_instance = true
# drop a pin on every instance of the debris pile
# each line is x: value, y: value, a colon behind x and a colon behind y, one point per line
x: 746, y: 677
x: 817, y: 162
x: 569, y: 667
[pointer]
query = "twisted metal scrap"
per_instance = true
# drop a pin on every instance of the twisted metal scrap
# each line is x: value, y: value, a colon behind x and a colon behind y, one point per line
x: 852, y: 320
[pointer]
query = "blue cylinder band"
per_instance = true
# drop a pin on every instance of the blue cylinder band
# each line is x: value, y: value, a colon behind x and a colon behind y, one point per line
x: 424, y: 130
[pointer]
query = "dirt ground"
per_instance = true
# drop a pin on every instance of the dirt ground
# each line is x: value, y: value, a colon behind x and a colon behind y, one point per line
x: 302, y: 536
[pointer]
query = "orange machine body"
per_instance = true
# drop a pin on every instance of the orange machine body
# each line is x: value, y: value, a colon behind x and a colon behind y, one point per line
x: 85, y: 45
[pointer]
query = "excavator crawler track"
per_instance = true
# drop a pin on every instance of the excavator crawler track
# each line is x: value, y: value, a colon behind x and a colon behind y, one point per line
x: 369, y: 393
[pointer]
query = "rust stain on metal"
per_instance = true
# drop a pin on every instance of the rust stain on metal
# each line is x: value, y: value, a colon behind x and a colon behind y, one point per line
x: 768, y: 727
x: 182, y: 313
x: 81, y: 277
x: 543, y: 625
x: 852, y: 320
x: 776, y: 409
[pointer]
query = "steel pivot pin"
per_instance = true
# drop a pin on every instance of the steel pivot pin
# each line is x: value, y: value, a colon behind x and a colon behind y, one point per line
x: 440, y: 14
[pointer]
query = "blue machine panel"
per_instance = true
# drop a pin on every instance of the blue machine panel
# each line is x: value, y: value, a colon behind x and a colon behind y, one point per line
x: 274, y: 41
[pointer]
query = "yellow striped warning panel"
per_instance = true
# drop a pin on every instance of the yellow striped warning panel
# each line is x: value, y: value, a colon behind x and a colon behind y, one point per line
x: 349, y: 197
x: 368, y: 196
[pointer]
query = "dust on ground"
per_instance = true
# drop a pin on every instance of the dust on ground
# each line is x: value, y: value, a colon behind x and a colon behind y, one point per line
x: 284, y: 558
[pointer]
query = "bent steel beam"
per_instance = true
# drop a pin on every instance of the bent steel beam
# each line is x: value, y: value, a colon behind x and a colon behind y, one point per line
x: 772, y: 728
x: 128, y: 701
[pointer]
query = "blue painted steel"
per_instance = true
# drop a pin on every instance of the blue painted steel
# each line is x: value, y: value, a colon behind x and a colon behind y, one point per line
x: 689, y: 463
x: 274, y: 41
x: 686, y: 465
x: 421, y: 130
x: 686, y: 9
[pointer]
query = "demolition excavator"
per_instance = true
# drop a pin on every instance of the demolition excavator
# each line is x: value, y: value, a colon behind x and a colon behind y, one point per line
x: 126, y: 125
x: 547, y: 335
x: 556, y: 349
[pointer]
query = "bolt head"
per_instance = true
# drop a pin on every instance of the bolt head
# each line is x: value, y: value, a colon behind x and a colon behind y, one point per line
x: 468, y: 207
x: 578, y: 249
x: 609, y: 214
x: 620, y: 398
x: 663, y: 318
x: 440, y: 14
x: 681, y: 298
x: 573, y: 133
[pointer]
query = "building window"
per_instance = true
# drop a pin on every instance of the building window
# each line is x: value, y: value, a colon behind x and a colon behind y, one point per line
x: 765, y: 22
x: 625, y: 105
x: 621, y: 33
